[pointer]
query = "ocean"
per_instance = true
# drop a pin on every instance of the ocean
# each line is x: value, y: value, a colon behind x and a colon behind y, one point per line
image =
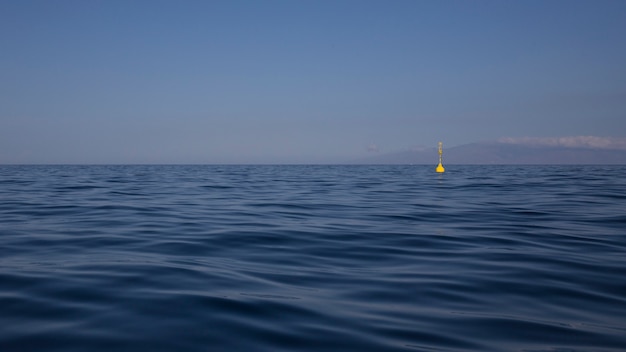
x: 312, y: 258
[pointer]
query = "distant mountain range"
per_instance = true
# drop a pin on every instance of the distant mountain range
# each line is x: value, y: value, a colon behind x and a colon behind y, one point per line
x: 510, y: 151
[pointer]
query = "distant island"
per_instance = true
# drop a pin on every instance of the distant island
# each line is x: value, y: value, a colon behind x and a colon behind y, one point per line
x: 567, y: 150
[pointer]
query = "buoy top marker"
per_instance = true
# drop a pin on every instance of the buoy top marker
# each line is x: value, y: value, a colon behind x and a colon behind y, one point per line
x: 440, y: 167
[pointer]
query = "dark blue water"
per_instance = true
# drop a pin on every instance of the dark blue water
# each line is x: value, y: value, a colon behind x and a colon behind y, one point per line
x: 312, y: 258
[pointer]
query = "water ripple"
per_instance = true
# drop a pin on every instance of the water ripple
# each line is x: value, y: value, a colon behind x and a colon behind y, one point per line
x: 309, y: 258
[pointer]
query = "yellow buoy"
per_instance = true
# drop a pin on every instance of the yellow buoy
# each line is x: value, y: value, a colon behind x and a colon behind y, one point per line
x: 440, y: 167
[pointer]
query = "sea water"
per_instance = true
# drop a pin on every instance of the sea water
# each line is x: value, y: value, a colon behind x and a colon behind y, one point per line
x: 312, y: 258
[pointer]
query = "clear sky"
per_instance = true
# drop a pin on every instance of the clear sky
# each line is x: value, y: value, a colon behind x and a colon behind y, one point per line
x: 131, y: 81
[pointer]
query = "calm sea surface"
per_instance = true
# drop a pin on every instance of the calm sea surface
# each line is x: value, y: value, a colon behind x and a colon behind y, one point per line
x: 312, y: 258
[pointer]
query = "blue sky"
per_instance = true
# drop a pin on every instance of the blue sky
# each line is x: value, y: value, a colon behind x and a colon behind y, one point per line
x: 301, y: 81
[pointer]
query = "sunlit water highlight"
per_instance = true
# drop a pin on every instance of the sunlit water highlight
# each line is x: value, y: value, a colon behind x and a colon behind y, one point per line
x: 312, y: 258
